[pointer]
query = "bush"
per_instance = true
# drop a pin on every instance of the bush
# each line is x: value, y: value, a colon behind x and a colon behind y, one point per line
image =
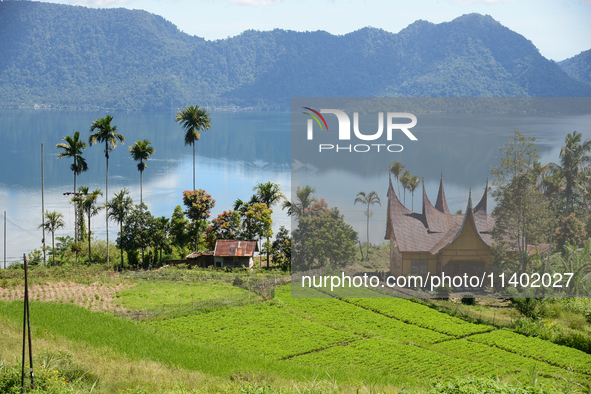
x: 532, y: 308
x: 468, y: 300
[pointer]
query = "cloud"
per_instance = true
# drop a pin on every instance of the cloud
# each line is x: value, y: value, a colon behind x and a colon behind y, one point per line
x: 255, y: 3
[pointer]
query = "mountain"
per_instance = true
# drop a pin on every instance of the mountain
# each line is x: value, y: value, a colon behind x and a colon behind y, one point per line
x: 579, y: 66
x: 117, y: 58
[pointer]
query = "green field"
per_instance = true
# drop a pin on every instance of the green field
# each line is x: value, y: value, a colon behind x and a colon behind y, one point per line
x: 308, y: 345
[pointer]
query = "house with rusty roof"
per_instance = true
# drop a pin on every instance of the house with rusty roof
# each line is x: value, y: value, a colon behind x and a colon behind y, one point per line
x: 228, y: 253
x: 436, y: 240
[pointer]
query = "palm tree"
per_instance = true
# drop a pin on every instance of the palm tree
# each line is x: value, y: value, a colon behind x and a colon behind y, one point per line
x: 269, y: 194
x: 72, y: 147
x: 192, y: 119
x: 405, y: 179
x: 102, y: 131
x: 573, y: 157
x: 368, y: 199
x: 117, y: 209
x: 306, y: 198
x: 88, y: 200
x: 141, y: 151
x: 53, y: 222
x: 413, y: 183
x: 396, y: 169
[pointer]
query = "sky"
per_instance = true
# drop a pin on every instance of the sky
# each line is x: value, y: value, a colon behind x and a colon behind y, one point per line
x: 558, y: 28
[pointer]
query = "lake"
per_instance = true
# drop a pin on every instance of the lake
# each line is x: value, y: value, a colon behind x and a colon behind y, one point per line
x: 241, y: 149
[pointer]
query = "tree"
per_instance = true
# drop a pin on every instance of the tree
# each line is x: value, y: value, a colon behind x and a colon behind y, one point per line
x: 102, y: 131
x: 198, y: 204
x: 282, y: 247
x: 73, y: 147
x: 258, y: 221
x: 323, y: 239
x: 53, y: 222
x: 570, y: 231
x: 574, y: 155
x: 305, y: 198
x: 413, y: 183
x: 367, y: 199
x: 117, y: 209
x: 578, y: 262
x: 193, y: 119
x: 178, y: 229
x: 160, y: 239
x: 405, y: 179
x: 396, y: 169
x: 88, y: 201
x: 522, y: 214
x: 225, y: 226
x: 138, y: 230
x: 141, y: 151
x: 269, y: 194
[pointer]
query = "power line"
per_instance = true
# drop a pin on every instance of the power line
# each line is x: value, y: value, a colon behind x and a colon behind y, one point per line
x: 17, y: 226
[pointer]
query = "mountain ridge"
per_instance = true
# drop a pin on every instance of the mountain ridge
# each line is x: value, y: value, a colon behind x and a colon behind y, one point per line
x: 73, y: 56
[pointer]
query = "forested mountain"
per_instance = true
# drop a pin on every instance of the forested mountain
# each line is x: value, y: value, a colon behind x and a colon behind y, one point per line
x: 79, y: 57
x: 579, y: 66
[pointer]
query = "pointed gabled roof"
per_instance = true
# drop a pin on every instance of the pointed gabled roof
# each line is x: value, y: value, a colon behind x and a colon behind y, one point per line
x: 448, y: 239
x: 441, y: 203
x: 436, y: 220
x: 483, y: 221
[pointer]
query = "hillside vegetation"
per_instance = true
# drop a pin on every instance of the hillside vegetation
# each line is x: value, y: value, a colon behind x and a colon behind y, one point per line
x: 74, y: 56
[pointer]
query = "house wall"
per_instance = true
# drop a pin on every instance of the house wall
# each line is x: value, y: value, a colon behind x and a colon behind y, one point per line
x: 395, y: 258
x: 468, y: 247
x: 233, y: 261
x: 408, y: 257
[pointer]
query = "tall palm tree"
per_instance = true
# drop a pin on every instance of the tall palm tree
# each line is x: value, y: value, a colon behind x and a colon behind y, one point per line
x: 88, y: 201
x: 305, y: 198
x: 405, y: 179
x: 396, y: 169
x: 73, y: 147
x: 574, y: 155
x: 368, y: 199
x: 117, y: 209
x: 270, y: 194
x: 53, y: 222
x: 193, y: 119
x: 102, y: 131
x: 140, y: 151
x: 413, y: 183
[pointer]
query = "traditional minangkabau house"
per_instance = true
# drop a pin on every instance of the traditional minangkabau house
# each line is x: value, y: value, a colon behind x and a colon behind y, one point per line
x: 436, y: 240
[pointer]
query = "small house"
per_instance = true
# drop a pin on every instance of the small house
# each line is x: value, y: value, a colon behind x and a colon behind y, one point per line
x: 234, y: 253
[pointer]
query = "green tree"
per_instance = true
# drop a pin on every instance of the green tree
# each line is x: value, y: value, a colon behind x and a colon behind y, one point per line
x: 141, y: 151
x: 405, y: 180
x: 138, y: 230
x: 88, y: 201
x: 574, y: 156
x: 103, y: 132
x: 413, y: 183
x: 53, y: 222
x: 578, y: 262
x: 225, y: 226
x: 198, y: 204
x: 117, y: 209
x: 178, y: 229
x: 270, y: 194
x: 193, y: 119
x: 396, y: 169
x: 368, y: 199
x: 161, y: 240
x: 73, y: 147
x: 522, y: 214
x: 282, y: 247
x: 571, y: 231
x: 258, y: 221
x: 323, y: 239
x: 304, y: 199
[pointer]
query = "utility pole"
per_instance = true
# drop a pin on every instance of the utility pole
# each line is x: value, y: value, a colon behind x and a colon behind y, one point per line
x: 43, y: 208
x: 4, y: 239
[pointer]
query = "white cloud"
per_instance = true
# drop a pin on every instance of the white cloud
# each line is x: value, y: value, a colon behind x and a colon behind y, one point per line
x: 255, y: 3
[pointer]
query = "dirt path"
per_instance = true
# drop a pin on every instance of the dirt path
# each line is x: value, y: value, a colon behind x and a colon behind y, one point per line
x: 96, y: 296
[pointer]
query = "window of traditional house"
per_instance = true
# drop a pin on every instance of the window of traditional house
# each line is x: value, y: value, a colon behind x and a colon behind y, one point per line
x: 419, y: 267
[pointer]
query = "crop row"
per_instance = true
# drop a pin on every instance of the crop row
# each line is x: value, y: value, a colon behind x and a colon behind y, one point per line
x: 463, y: 348
x: 538, y: 349
x: 260, y: 329
x: 420, y: 315
x: 348, y: 317
x: 386, y: 359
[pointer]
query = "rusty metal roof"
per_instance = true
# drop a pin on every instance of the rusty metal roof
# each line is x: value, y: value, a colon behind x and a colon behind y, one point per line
x: 433, y: 229
x: 194, y: 255
x: 227, y: 247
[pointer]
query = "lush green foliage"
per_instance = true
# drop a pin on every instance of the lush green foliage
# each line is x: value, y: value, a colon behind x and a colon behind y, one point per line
x: 137, y: 60
x: 579, y: 66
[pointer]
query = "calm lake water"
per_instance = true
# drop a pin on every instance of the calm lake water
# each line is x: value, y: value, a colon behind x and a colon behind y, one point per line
x: 241, y: 149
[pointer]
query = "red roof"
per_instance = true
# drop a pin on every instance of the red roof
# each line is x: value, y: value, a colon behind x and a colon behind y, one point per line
x: 227, y: 247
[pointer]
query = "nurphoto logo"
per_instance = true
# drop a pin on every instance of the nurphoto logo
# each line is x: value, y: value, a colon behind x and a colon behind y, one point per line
x: 344, y: 130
